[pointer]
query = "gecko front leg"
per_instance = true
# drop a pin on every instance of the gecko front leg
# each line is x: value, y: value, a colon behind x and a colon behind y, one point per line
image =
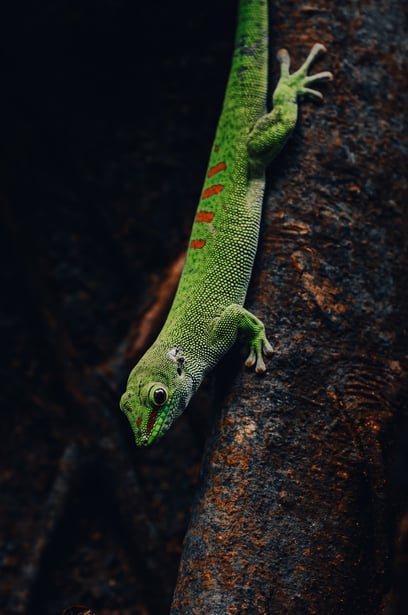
x: 235, y: 318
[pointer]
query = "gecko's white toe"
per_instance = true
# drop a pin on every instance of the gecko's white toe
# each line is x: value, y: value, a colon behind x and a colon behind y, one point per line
x: 251, y: 358
x: 260, y: 366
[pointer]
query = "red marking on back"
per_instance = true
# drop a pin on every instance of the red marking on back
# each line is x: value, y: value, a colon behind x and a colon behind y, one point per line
x: 205, y: 216
x: 216, y: 189
x: 139, y: 421
x: 221, y: 166
x: 216, y: 148
x: 151, y: 421
x: 197, y: 244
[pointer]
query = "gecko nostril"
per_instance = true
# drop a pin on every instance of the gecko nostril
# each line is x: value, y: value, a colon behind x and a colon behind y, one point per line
x: 125, y: 402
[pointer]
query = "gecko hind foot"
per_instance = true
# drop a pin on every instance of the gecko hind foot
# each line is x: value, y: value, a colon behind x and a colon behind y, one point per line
x: 299, y: 80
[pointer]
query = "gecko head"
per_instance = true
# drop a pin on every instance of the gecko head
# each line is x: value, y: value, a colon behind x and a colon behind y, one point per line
x: 158, y: 391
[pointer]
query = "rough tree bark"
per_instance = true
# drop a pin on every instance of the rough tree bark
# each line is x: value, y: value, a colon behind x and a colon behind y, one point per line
x: 294, y: 512
x: 103, y: 111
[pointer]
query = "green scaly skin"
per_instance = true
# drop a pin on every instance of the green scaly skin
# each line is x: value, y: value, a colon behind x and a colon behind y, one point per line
x: 207, y: 313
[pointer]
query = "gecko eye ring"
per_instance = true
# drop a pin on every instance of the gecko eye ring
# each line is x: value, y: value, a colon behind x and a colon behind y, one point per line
x: 158, y: 394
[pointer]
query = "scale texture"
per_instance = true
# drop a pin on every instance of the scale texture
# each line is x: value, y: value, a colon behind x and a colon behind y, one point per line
x: 207, y: 313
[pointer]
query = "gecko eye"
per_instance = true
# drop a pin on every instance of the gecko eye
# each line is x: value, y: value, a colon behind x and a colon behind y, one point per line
x: 158, y: 394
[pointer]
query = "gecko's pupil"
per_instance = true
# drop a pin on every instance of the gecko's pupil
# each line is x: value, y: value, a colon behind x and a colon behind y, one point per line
x: 160, y: 396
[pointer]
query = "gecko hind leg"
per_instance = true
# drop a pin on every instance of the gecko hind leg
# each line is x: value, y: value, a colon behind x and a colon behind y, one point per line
x: 273, y: 129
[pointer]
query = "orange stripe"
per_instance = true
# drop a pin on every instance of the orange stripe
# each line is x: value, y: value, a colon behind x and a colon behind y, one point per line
x: 212, y: 190
x: 205, y: 216
x: 221, y: 166
x: 197, y: 244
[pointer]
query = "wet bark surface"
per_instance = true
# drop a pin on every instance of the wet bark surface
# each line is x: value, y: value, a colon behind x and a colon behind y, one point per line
x: 296, y: 482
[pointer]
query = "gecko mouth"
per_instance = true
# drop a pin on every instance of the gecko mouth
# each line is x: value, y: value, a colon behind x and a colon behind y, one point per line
x: 157, y: 424
x: 151, y: 421
x: 161, y: 418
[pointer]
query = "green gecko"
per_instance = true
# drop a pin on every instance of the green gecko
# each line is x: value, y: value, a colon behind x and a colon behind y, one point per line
x: 207, y: 312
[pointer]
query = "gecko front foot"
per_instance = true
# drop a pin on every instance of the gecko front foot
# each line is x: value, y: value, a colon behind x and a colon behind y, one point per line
x: 233, y: 319
x: 259, y: 346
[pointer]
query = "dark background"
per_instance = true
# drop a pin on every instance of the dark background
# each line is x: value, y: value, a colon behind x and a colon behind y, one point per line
x: 107, y: 116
